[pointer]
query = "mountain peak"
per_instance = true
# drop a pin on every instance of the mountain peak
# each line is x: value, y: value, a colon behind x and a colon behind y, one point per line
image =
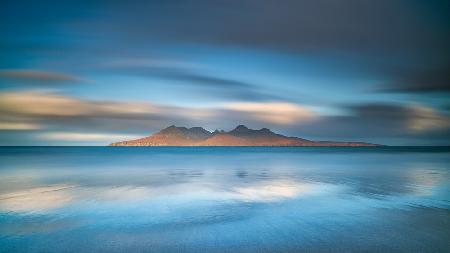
x: 243, y: 131
x: 265, y: 130
x: 241, y: 128
x: 193, y: 133
x: 198, y: 130
x: 217, y: 131
x: 172, y: 129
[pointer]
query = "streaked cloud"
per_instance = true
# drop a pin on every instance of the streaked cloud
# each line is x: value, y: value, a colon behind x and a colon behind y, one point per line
x: 189, y: 74
x: 57, y: 117
x: 19, y: 126
x: 413, y: 118
x: 274, y: 112
x: 31, y: 75
x: 203, y: 54
x: 420, y: 80
x: 425, y: 119
x: 419, y: 124
x: 73, y: 119
x: 86, y: 137
x: 151, y: 63
x: 36, y: 103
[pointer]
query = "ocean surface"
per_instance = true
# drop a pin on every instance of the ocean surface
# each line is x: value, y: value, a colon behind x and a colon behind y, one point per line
x: 222, y: 199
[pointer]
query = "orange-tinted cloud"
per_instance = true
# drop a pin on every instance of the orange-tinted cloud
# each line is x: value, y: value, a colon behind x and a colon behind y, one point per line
x: 274, y: 112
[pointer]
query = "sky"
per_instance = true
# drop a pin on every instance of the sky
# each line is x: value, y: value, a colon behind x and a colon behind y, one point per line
x: 96, y: 72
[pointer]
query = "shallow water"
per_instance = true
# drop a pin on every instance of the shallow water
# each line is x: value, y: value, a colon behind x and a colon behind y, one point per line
x: 200, y: 199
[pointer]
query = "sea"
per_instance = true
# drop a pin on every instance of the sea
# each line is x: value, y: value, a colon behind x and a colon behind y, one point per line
x: 224, y: 199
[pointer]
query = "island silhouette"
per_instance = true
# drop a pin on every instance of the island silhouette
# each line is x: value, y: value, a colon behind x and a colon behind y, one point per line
x: 240, y: 136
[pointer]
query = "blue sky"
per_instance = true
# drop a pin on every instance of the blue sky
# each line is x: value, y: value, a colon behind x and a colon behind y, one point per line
x: 90, y: 73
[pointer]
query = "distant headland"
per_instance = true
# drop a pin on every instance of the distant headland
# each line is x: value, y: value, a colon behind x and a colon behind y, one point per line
x: 240, y: 136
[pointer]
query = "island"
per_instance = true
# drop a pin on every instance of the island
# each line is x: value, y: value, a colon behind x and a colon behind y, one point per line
x: 240, y: 136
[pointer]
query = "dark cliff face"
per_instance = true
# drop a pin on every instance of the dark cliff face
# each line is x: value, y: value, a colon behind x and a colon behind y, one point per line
x: 240, y: 136
x: 199, y: 133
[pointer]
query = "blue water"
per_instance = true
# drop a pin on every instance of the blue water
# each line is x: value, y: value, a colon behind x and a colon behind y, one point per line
x: 206, y: 199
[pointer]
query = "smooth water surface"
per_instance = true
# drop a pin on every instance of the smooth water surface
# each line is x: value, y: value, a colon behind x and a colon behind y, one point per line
x: 222, y: 199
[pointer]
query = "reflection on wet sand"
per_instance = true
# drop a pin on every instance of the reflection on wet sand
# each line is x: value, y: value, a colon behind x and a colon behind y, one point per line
x: 36, y: 199
x: 49, y: 197
x: 288, y: 200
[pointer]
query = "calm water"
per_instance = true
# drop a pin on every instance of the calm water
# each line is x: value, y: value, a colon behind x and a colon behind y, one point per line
x: 224, y: 199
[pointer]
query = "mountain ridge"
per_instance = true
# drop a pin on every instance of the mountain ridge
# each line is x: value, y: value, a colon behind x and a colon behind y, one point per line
x: 239, y: 136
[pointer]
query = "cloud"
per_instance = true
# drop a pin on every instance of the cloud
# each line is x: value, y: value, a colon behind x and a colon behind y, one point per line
x: 379, y: 37
x: 38, y: 76
x: 274, y: 112
x: 401, y: 124
x: 150, y: 63
x: 66, y: 118
x: 423, y: 119
x: 229, y: 88
x: 294, y: 25
x: 197, y: 79
x: 188, y: 74
x: 420, y: 80
x: 35, y: 103
x: 48, y: 106
x: 56, y: 117
x: 19, y: 126
x: 413, y: 118
x: 52, y: 111
x: 86, y: 137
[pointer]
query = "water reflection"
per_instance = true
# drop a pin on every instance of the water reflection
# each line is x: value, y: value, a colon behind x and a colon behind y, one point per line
x: 36, y: 199
x: 240, y: 200
x: 45, y: 198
